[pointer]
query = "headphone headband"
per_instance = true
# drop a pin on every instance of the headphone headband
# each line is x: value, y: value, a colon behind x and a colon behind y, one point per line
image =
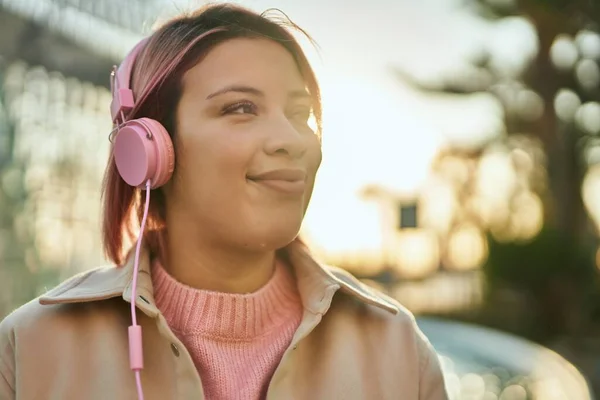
x: 123, y: 100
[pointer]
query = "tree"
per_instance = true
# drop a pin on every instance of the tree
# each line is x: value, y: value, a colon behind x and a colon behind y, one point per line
x: 530, y: 95
x: 551, y: 114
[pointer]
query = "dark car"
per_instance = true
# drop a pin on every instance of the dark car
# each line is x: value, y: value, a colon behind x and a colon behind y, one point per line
x: 485, y: 364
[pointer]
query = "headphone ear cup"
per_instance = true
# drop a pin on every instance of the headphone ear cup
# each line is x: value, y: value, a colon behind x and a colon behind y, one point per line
x: 164, y: 148
x: 143, y: 150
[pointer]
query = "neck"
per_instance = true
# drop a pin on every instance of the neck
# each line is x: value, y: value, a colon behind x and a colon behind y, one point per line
x: 207, y: 266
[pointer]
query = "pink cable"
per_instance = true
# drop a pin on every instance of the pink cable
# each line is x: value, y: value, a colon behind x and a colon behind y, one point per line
x: 136, y: 359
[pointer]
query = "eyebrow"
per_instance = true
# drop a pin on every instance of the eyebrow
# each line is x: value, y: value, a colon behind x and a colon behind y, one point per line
x: 254, y: 91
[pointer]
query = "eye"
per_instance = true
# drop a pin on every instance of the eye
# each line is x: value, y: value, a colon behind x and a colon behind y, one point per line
x: 304, y: 114
x: 241, y: 107
x: 301, y: 114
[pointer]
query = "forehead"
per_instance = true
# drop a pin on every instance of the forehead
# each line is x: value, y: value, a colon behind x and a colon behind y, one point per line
x: 259, y: 62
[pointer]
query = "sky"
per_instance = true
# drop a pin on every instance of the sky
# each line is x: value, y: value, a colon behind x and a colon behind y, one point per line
x: 377, y: 130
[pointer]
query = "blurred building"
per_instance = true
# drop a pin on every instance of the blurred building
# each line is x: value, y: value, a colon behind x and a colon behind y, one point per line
x: 55, y: 60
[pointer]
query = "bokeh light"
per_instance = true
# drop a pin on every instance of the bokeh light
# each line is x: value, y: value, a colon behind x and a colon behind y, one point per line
x: 566, y: 104
x: 563, y: 52
x: 588, y: 117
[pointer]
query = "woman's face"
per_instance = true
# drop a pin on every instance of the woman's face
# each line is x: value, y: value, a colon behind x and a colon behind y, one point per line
x: 246, y: 157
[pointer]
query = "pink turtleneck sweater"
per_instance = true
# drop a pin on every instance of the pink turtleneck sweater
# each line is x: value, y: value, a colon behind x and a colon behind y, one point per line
x: 235, y: 340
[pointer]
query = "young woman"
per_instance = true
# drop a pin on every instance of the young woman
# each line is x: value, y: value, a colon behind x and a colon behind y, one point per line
x: 214, y: 156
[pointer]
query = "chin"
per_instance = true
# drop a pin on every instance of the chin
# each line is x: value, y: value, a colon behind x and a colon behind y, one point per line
x: 274, y: 236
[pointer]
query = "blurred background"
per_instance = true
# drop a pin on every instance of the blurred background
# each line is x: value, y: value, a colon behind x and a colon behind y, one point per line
x: 461, y: 170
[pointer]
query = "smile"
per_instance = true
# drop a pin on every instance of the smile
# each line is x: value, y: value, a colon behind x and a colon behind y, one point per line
x: 288, y: 181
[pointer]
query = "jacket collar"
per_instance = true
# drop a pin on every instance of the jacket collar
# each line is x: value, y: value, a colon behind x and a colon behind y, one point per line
x: 314, y: 281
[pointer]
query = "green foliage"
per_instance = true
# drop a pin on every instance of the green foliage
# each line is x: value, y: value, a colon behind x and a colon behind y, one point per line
x: 552, y: 256
x: 23, y: 278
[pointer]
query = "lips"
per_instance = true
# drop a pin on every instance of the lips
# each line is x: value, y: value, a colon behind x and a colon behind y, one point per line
x: 289, y: 175
x: 289, y: 181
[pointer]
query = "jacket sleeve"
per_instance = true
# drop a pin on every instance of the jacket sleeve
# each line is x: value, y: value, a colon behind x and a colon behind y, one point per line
x: 431, y: 379
x: 7, y: 363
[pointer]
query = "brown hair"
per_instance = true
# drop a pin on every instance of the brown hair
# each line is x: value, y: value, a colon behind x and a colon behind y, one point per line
x: 122, y: 206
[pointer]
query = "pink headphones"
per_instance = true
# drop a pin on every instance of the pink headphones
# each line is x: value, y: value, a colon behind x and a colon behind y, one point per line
x: 142, y: 147
x: 143, y: 153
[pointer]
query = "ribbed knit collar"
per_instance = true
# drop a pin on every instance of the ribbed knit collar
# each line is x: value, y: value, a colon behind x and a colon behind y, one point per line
x: 230, y: 316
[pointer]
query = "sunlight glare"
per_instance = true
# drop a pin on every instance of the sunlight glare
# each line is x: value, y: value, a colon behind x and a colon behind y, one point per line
x: 467, y: 248
x: 369, y: 138
x: 417, y: 253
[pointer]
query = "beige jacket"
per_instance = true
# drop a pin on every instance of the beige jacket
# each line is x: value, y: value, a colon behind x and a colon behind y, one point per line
x: 353, y: 343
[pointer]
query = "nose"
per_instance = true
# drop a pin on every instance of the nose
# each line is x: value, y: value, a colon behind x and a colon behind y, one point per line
x: 284, y: 138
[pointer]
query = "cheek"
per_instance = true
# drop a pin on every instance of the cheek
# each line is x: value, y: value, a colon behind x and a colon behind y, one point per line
x: 314, y: 154
x: 314, y: 158
x: 214, y: 160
